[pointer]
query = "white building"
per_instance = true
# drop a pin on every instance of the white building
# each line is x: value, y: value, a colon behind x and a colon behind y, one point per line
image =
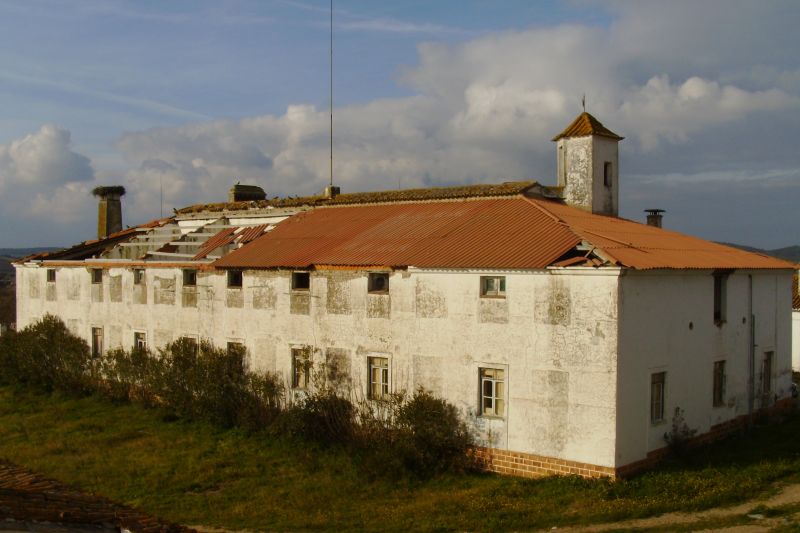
x: 795, y: 325
x: 566, y: 335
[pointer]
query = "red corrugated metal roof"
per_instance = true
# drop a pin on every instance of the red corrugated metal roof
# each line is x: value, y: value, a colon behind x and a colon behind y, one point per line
x: 486, y: 233
x: 222, y: 238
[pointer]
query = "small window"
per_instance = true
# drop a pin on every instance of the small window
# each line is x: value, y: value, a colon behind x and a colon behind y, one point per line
x: 766, y: 373
x: 97, y: 342
x: 237, y: 349
x: 190, y: 278
x: 493, y: 392
x: 608, y: 175
x: 378, y: 282
x: 301, y: 281
x: 301, y: 368
x: 138, y: 276
x: 51, y: 275
x: 140, y: 340
x: 719, y: 383
x: 493, y: 286
x: 657, y: 382
x: 234, y: 278
x: 191, y: 342
x: 97, y: 275
x: 378, y: 378
x: 720, y: 296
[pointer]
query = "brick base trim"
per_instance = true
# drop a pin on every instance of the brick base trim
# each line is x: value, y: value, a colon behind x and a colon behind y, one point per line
x: 531, y: 465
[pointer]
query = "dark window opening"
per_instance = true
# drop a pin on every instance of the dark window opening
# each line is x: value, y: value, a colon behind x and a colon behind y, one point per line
x: 51, y: 275
x: 720, y: 296
x: 301, y: 281
x: 234, y: 278
x: 719, y: 383
x: 189, y: 278
x: 378, y: 282
x: 657, y: 382
x: 608, y: 175
x: 493, y: 286
x: 97, y: 342
x: 766, y: 373
x: 138, y: 276
x: 97, y: 275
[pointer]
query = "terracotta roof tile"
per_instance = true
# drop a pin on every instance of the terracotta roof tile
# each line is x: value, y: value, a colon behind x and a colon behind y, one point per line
x: 29, y: 497
x: 516, y: 232
x: 585, y: 124
x: 510, y: 188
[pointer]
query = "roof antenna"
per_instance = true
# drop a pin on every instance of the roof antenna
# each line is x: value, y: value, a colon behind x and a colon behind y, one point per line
x: 583, y: 100
x: 330, y: 190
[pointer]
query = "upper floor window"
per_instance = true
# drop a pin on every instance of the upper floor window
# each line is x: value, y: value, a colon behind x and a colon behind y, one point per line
x: 493, y: 286
x: 720, y: 296
x: 301, y: 281
x: 97, y: 275
x: 234, y: 278
x: 378, y: 282
x: 190, y: 278
x: 138, y: 276
x: 608, y: 174
x: 51, y: 275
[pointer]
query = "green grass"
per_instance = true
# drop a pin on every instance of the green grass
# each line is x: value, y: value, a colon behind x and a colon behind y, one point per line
x: 196, y: 474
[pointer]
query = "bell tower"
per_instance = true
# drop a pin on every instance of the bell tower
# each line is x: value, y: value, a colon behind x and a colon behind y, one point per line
x: 588, y: 165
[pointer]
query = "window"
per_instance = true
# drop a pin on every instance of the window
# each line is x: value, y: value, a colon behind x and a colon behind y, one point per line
x: 140, y: 340
x: 657, y: 382
x: 719, y: 383
x: 720, y: 296
x: 234, y: 278
x: 190, y: 278
x: 493, y: 286
x: 766, y: 373
x: 378, y: 282
x: 97, y: 342
x: 51, y: 275
x: 138, y: 276
x: 301, y: 368
x: 378, y: 378
x: 190, y: 342
x: 608, y: 175
x: 493, y: 392
x: 237, y: 349
x: 301, y: 281
x: 97, y: 275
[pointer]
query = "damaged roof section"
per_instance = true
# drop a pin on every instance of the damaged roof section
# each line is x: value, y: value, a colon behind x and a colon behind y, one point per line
x: 509, y: 188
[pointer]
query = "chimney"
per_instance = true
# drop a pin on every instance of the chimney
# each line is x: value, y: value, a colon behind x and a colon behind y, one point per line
x: 246, y: 193
x: 109, y: 210
x: 654, y: 217
x: 332, y: 191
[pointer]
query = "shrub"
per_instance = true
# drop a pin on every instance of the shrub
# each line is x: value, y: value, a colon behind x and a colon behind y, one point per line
x: 680, y: 437
x: 48, y: 356
x: 321, y: 416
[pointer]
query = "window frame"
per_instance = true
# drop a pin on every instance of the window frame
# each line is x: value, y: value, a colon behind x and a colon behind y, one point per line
x: 720, y: 296
x: 301, y: 367
x: 138, y: 276
x: 384, y: 381
x: 235, y: 279
x: 137, y: 336
x: 499, y: 291
x: 496, y: 377
x: 189, y: 277
x: 298, y: 275
x: 658, y: 397
x: 193, y: 340
x: 51, y: 275
x: 719, y: 384
x: 97, y: 276
x: 372, y: 278
x: 97, y: 342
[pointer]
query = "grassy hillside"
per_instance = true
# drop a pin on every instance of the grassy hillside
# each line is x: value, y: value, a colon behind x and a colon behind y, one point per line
x: 194, y: 474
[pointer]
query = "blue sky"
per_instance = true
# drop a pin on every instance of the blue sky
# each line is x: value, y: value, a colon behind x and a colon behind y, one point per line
x: 197, y: 95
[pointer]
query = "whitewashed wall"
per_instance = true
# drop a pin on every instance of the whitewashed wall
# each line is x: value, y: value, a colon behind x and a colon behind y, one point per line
x: 555, y: 334
x: 796, y: 341
x: 667, y: 324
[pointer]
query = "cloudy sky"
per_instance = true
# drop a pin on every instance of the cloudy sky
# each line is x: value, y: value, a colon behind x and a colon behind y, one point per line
x: 194, y: 96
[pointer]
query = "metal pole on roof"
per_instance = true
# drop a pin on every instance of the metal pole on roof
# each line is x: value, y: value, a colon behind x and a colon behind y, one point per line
x: 331, y: 95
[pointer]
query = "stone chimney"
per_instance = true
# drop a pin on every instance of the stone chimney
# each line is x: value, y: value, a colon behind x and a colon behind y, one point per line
x: 588, y: 165
x: 109, y: 209
x: 654, y: 217
x: 246, y: 193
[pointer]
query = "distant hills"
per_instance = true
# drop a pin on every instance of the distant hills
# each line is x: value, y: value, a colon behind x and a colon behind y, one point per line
x: 789, y: 253
x: 16, y: 253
